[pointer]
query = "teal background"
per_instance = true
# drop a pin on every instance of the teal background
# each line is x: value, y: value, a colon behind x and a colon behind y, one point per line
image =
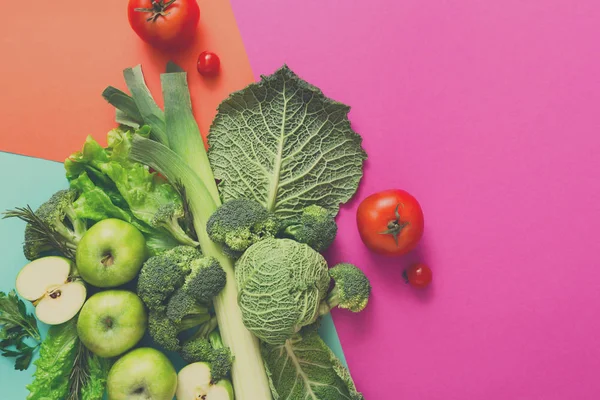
x: 26, y: 180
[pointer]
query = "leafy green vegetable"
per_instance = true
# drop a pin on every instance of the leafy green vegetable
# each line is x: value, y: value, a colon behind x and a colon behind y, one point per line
x: 283, y: 287
x: 112, y: 186
x: 149, y: 111
x: 57, y: 354
x: 182, y: 129
x: 305, y: 368
x: 93, y: 202
x: 17, y: 327
x: 127, y: 111
x: 66, y: 369
x: 281, y: 284
x: 284, y: 144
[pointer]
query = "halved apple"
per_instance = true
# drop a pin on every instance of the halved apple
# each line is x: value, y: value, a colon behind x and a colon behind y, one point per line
x: 194, y: 382
x: 46, y: 282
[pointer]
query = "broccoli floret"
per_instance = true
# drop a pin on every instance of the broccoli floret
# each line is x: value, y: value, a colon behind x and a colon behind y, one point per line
x: 167, y: 217
x: 240, y: 223
x: 161, y: 275
x: 52, y: 227
x: 205, y: 280
x: 351, y: 291
x: 165, y: 332
x: 209, y: 350
x: 184, y: 310
x: 315, y: 226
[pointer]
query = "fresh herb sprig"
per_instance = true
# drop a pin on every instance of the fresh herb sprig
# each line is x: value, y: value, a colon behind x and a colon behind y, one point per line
x: 80, y: 374
x: 17, y: 327
x: 44, y: 234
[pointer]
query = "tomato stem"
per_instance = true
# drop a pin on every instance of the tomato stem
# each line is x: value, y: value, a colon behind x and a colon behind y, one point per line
x: 158, y: 9
x: 395, y: 226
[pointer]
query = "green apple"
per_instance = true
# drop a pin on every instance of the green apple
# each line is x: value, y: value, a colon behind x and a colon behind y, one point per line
x: 110, y: 253
x: 112, y: 322
x: 48, y: 284
x: 195, y: 382
x: 142, y: 374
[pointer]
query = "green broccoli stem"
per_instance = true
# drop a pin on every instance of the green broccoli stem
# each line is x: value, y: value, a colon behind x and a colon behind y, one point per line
x: 215, y: 340
x: 79, y: 225
x: 291, y: 231
x: 192, y: 321
x: 248, y: 371
x: 205, y: 329
x: 330, y: 302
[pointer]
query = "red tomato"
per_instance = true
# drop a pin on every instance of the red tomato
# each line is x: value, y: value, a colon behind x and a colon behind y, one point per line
x: 208, y: 63
x: 418, y: 275
x: 164, y: 23
x: 390, y: 222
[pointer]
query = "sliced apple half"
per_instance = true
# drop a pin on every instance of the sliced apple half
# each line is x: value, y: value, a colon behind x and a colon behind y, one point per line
x: 46, y: 283
x: 61, y: 304
x: 194, y: 382
x: 41, y: 275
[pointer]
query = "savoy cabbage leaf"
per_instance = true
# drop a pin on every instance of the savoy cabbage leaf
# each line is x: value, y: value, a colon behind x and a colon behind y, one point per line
x: 284, y: 144
x: 304, y: 368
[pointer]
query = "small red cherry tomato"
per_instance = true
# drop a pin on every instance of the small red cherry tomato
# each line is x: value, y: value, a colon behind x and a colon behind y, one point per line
x: 418, y: 275
x: 390, y: 222
x: 208, y: 63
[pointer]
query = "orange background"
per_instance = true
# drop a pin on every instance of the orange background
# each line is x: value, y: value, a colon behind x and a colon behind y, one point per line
x: 55, y: 65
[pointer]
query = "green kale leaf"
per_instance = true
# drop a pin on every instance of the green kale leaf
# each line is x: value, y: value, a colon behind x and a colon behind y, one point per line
x: 284, y: 144
x: 304, y: 368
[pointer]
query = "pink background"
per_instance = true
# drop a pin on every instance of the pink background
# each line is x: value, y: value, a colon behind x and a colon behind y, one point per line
x: 488, y: 112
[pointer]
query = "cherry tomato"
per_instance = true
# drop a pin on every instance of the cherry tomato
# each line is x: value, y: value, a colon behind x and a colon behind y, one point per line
x: 390, y: 222
x: 418, y: 275
x: 164, y: 23
x: 208, y: 63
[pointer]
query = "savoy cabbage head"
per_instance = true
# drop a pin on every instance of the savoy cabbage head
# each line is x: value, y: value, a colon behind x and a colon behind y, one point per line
x: 281, y: 286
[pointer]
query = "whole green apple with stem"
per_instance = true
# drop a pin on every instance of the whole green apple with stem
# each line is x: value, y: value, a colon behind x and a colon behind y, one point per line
x: 110, y: 253
x: 142, y: 374
x: 112, y: 322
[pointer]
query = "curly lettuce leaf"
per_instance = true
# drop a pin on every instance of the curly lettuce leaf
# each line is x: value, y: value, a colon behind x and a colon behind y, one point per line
x: 284, y: 144
x: 143, y: 191
x: 94, y: 203
x: 57, y: 354
x: 112, y: 186
x: 304, y: 368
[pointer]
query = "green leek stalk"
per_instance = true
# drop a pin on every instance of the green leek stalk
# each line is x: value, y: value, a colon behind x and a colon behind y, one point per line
x: 185, y: 161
